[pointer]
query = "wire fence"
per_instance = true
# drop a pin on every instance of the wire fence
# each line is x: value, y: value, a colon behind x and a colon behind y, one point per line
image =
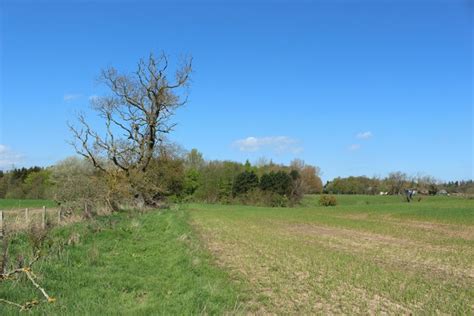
x: 22, y: 219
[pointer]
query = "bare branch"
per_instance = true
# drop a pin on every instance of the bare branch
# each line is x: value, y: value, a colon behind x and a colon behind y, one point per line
x: 136, y: 115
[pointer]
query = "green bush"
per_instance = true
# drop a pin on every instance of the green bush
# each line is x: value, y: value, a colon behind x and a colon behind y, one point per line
x: 327, y: 200
x: 245, y: 182
x: 278, y: 182
x: 259, y: 197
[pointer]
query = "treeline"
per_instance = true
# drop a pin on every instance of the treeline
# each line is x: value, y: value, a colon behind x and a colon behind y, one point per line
x: 28, y: 183
x: 264, y: 183
x: 173, y: 175
x: 395, y: 183
x: 461, y: 187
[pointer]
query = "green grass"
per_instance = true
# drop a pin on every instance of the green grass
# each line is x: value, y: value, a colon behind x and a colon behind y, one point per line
x: 443, y: 209
x: 144, y: 264
x: 8, y: 204
x: 369, y: 254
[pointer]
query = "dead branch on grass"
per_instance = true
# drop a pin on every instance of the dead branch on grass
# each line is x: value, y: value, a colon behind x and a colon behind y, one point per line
x: 31, y: 276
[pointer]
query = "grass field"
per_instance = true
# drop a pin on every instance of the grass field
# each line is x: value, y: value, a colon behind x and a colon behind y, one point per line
x: 8, y: 204
x: 366, y: 255
x: 140, y: 265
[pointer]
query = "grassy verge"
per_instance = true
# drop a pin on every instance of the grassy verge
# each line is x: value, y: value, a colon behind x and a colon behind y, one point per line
x: 143, y: 264
x: 366, y: 255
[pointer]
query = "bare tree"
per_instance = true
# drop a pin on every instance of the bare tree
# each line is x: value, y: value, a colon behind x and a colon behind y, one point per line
x: 136, y: 115
x: 397, y: 181
x: 311, y: 182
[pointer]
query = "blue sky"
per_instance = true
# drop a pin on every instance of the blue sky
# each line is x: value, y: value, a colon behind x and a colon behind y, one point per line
x: 354, y: 87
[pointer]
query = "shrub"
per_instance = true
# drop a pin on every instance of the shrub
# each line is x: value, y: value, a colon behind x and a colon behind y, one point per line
x: 262, y: 198
x: 278, y: 182
x: 77, y: 185
x: 245, y: 182
x: 327, y: 200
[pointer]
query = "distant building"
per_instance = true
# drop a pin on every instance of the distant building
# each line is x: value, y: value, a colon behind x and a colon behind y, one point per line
x: 442, y: 192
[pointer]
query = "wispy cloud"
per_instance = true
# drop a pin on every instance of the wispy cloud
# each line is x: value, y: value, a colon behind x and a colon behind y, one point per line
x: 8, y: 157
x: 71, y: 96
x: 276, y: 144
x: 93, y: 98
x: 354, y: 147
x: 364, y: 135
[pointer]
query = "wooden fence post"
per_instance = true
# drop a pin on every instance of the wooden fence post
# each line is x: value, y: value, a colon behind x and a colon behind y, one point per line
x: 43, y: 222
x: 59, y: 216
x: 1, y: 225
x: 26, y: 215
x: 2, y: 244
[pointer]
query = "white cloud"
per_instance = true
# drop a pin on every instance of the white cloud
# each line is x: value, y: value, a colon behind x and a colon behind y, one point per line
x: 8, y: 157
x: 354, y: 147
x: 364, y: 135
x: 71, y: 96
x: 277, y: 144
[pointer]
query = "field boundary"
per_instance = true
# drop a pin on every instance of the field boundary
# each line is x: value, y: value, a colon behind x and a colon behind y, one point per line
x: 21, y: 219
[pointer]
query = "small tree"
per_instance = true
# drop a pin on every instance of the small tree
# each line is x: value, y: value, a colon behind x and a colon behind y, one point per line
x: 310, y: 181
x: 77, y: 185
